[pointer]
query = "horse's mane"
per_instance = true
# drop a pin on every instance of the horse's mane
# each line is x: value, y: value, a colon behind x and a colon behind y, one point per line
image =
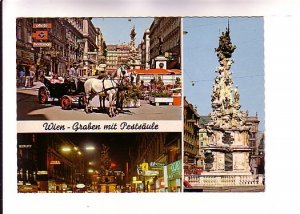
x: 115, y: 73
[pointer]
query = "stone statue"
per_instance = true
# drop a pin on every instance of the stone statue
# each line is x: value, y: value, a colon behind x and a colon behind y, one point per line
x: 236, y: 96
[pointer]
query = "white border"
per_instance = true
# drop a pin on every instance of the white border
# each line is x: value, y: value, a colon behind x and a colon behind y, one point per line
x: 282, y: 33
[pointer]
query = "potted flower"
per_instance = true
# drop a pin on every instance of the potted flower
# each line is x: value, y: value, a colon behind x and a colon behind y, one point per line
x: 161, y: 96
x: 132, y: 97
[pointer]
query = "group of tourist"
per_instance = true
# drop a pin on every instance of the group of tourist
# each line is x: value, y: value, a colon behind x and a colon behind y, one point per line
x: 25, y: 75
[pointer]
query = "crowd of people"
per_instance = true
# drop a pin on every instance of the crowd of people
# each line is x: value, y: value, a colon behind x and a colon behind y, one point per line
x: 26, y: 75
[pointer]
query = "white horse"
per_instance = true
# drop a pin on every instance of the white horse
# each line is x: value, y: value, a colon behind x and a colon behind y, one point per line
x: 107, y: 87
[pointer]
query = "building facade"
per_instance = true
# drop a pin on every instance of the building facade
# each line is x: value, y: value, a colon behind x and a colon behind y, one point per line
x: 54, y: 45
x: 155, y: 164
x: 145, y: 50
x: 191, y: 138
x: 49, y: 163
x: 165, y: 40
x: 256, y: 154
x: 90, y: 54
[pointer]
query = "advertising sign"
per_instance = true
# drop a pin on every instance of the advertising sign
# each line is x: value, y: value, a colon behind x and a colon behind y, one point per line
x: 42, y: 25
x: 42, y: 44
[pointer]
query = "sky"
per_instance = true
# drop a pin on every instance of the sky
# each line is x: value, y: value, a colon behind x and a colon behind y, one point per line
x: 118, y: 144
x: 117, y: 30
x: 200, y: 61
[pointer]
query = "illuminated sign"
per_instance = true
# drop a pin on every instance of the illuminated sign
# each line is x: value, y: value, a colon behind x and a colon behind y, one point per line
x: 54, y: 162
x: 24, y: 146
x: 174, y: 170
x: 156, y: 164
x: 80, y: 186
x: 144, y: 166
x: 42, y: 172
x: 151, y: 173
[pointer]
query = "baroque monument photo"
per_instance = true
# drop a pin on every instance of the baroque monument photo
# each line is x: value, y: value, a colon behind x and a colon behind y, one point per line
x: 226, y: 155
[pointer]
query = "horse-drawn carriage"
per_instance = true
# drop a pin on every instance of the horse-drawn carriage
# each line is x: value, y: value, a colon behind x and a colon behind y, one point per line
x: 67, y: 91
x: 83, y: 90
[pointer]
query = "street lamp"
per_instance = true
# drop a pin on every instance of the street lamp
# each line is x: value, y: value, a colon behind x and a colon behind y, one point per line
x: 88, y: 148
x: 66, y: 149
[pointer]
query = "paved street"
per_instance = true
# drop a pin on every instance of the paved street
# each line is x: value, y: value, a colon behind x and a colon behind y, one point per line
x: 28, y: 108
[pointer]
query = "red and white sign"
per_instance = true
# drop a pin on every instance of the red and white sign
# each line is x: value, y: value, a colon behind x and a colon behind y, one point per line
x: 40, y: 35
x: 42, y: 44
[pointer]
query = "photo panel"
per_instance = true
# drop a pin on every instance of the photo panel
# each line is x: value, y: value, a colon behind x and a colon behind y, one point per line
x: 99, y: 162
x: 223, y: 104
x: 99, y: 105
x: 98, y: 68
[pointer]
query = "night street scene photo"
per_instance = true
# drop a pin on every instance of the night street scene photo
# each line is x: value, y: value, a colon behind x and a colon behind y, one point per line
x: 98, y: 68
x: 99, y: 162
x: 224, y: 105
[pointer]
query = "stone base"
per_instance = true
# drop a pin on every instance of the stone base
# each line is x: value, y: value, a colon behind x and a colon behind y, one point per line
x: 227, y: 173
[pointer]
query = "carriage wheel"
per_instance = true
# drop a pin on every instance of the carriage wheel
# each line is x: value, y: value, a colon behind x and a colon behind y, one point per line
x: 81, y: 101
x: 66, y: 102
x: 43, y: 95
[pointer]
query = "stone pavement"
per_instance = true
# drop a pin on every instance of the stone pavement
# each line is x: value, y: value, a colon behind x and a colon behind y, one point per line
x: 28, y: 108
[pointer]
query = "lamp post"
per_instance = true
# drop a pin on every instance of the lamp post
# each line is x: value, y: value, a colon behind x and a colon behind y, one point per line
x: 75, y: 158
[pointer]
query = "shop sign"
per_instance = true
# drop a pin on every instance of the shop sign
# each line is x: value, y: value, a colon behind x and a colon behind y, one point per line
x: 42, y: 173
x: 25, y: 146
x: 40, y: 35
x: 42, y: 44
x: 139, y: 170
x: 42, y: 25
x: 25, y: 55
x: 174, y: 170
x: 157, y: 164
x: 145, y: 166
x: 151, y: 173
x: 55, y: 162
x: 80, y: 186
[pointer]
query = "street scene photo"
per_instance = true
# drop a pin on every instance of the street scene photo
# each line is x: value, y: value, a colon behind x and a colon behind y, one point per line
x: 223, y: 104
x: 98, y: 68
x: 99, y: 162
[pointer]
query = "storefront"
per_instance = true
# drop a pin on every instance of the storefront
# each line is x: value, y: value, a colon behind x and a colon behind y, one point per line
x: 25, y: 57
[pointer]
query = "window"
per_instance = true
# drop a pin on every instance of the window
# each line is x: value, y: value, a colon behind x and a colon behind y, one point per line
x: 228, y: 162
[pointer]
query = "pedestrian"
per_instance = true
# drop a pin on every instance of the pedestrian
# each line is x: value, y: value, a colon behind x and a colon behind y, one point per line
x: 72, y: 71
x: 27, y: 77
x: 21, y: 76
x: 32, y: 74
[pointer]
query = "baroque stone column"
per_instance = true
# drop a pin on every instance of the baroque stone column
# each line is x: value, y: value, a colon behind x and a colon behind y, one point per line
x: 228, y: 150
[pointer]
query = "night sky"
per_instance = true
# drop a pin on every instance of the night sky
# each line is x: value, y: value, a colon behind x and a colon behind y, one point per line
x: 118, y: 143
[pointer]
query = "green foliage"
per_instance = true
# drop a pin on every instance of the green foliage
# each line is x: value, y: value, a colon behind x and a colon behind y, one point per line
x: 133, y: 93
x: 161, y: 93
